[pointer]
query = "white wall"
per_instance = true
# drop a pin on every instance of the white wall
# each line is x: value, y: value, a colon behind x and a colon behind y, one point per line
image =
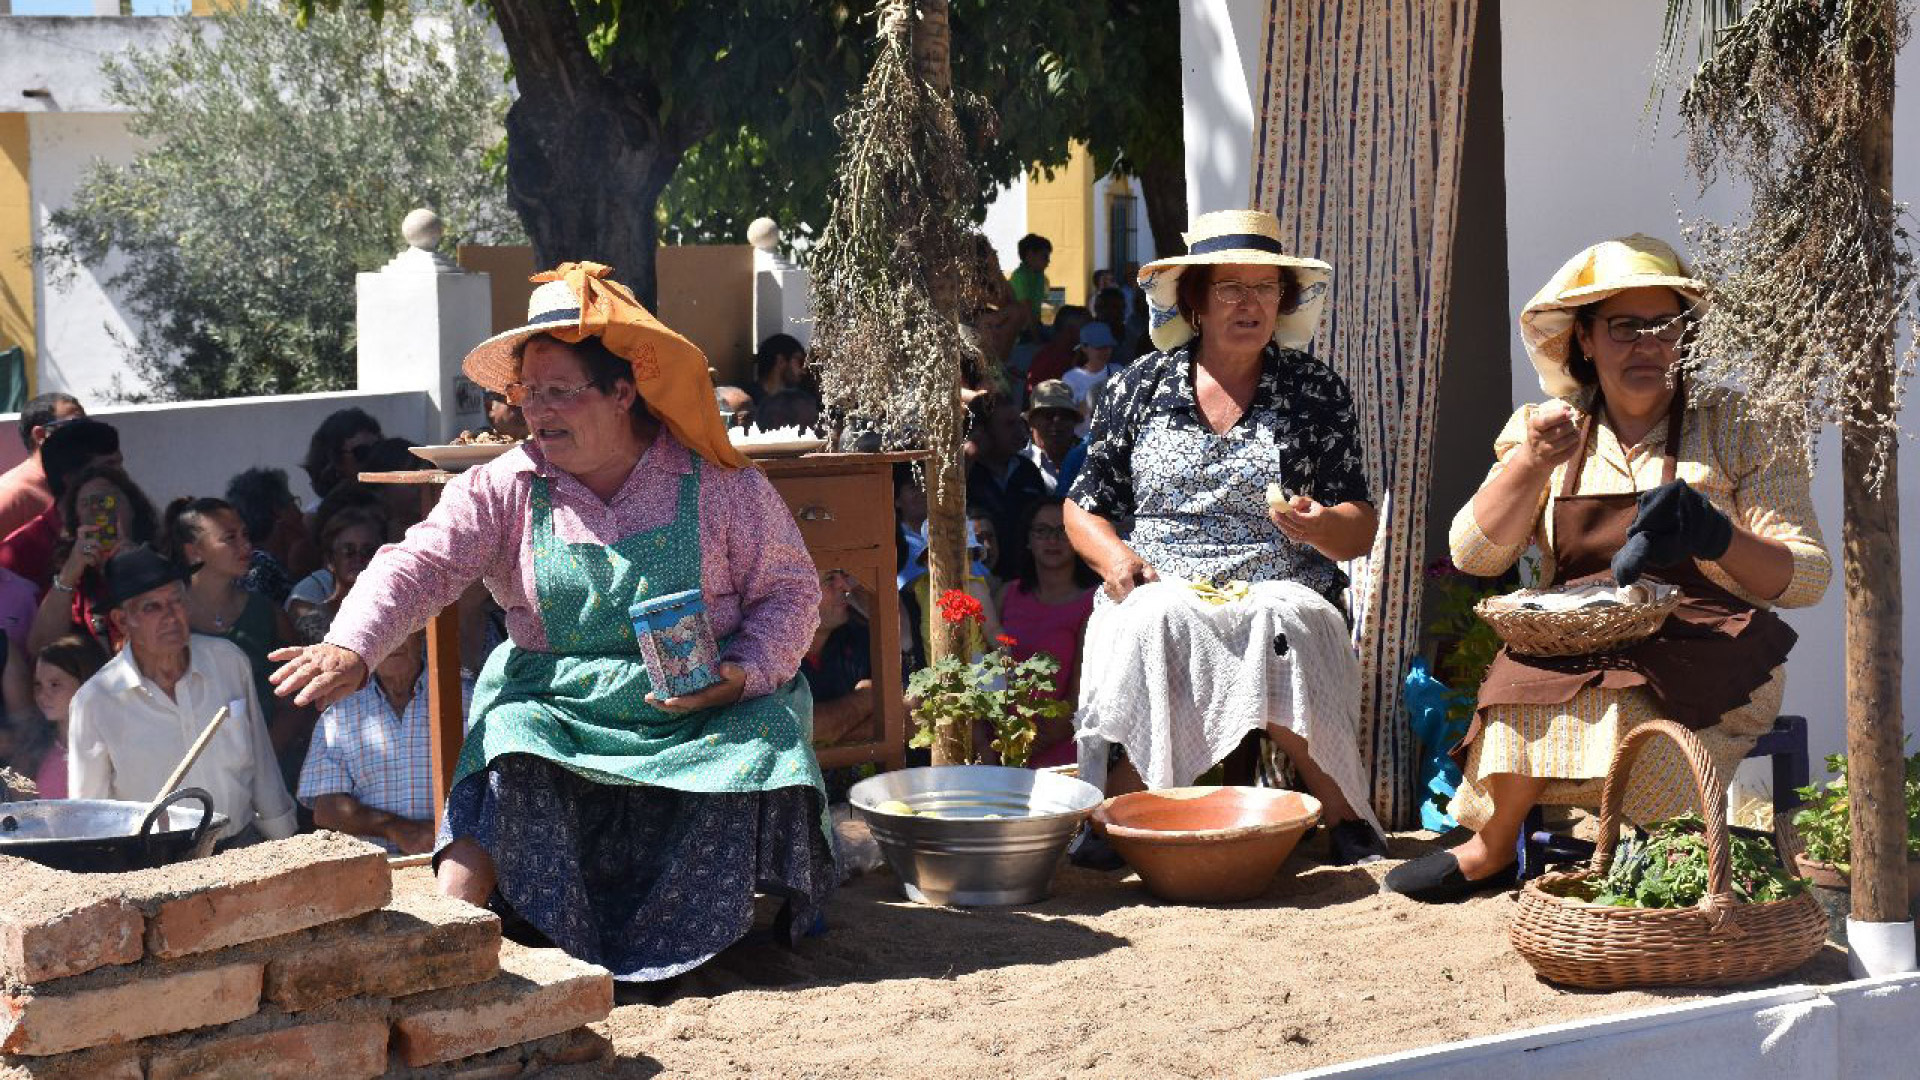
x: 62, y: 55
x: 77, y: 316
x: 194, y: 448
x: 1585, y: 162
x: 1853, y: 1031
x: 1219, y: 99
x: 1006, y: 222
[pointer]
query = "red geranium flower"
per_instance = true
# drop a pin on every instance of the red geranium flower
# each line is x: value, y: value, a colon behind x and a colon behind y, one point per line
x: 1006, y: 640
x: 957, y: 606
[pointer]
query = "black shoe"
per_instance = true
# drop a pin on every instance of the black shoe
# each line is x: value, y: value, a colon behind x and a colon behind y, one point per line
x: 1355, y: 843
x: 1090, y: 849
x: 1436, y: 879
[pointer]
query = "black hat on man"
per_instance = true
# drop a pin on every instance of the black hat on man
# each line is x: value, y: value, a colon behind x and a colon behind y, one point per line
x: 139, y: 569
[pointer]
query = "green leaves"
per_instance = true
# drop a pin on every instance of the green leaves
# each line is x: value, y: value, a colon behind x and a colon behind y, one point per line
x: 1666, y: 867
x: 1825, y: 821
x: 278, y: 162
x: 1013, y: 695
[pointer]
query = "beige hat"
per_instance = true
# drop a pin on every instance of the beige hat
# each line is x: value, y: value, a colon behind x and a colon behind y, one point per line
x: 1628, y: 262
x: 1053, y: 394
x: 1233, y: 238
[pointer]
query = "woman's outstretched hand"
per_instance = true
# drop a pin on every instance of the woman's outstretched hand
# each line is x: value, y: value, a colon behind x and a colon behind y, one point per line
x: 316, y: 675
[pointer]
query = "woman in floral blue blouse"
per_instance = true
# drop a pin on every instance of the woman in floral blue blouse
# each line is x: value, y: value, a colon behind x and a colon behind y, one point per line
x: 1227, y: 457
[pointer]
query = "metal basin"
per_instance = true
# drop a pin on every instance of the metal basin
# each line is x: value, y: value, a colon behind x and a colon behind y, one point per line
x: 109, y: 836
x: 962, y: 857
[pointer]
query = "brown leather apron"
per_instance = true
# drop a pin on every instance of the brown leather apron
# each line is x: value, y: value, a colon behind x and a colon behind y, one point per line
x: 1707, y: 659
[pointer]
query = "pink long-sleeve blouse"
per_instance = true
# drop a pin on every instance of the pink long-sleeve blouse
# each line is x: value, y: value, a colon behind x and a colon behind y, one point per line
x: 757, y: 577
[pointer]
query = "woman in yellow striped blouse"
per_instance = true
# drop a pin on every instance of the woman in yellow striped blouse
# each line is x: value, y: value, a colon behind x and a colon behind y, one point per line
x: 1616, y: 475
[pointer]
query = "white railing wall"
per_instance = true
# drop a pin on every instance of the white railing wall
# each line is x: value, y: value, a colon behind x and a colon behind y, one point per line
x: 195, y: 447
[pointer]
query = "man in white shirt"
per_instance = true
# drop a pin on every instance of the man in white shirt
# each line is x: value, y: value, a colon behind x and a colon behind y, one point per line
x: 131, y: 724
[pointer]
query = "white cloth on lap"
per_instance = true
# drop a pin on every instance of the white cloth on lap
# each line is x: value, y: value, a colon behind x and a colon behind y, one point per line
x: 1179, y: 682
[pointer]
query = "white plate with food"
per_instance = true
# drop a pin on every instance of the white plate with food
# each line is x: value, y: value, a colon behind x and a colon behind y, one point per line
x: 456, y: 456
x: 780, y: 442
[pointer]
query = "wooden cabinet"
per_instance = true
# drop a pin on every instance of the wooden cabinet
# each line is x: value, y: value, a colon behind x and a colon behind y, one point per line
x: 844, y: 506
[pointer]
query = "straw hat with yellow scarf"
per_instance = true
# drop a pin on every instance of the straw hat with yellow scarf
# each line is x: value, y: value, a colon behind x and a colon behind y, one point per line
x: 1606, y: 268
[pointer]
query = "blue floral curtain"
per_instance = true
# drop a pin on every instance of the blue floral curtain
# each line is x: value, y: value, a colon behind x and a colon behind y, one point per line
x: 1357, y: 149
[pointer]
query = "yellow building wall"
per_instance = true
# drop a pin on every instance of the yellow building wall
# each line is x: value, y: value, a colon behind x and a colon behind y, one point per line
x: 214, y: 7
x: 16, y: 237
x: 1061, y: 209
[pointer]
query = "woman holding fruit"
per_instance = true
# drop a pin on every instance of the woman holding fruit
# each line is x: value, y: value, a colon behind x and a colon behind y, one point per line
x: 1223, y: 481
x: 1624, y: 472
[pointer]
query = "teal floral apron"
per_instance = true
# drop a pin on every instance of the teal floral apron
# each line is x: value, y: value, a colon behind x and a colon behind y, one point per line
x: 583, y: 705
x: 630, y: 837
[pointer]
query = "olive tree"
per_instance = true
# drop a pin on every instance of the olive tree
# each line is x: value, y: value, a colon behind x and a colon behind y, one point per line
x: 276, y: 162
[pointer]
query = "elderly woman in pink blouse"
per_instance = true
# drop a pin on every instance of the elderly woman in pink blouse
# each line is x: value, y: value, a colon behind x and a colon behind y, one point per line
x: 629, y: 826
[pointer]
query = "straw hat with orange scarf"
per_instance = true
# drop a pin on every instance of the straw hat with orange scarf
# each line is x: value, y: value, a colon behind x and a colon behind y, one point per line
x: 578, y: 300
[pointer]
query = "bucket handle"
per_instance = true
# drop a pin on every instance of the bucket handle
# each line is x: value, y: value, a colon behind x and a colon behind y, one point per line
x: 197, y: 794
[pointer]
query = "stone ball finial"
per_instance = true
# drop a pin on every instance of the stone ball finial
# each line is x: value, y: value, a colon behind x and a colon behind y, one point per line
x: 422, y: 229
x: 763, y: 234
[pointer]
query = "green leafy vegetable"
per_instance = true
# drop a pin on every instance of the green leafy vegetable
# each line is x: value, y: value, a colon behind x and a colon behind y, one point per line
x: 1666, y: 867
x: 1826, y: 825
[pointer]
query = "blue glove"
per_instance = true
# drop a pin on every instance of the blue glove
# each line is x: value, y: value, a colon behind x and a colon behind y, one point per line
x: 1674, y: 522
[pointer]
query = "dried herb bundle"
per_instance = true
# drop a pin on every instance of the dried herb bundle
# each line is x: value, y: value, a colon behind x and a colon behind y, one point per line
x: 897, y: 260
x: 1820, y: 275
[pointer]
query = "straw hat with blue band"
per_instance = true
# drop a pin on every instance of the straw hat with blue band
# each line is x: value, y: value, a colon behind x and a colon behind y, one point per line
x: 576, y: 301
x: 1611, y: 266
x: 1234, y: 238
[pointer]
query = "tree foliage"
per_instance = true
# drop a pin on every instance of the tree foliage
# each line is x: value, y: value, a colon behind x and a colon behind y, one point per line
x: 277, y: 163
x: 1052, y: 71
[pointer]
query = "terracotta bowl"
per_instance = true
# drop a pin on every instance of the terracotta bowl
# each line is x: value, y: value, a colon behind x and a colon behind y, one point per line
x: 1207, y: 845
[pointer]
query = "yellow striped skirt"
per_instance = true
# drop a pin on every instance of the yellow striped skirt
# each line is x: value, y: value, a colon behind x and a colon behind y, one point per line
x: 1572, y: 743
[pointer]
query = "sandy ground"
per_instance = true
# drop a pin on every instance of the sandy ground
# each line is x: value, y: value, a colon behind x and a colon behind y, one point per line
x: 1103, y: 980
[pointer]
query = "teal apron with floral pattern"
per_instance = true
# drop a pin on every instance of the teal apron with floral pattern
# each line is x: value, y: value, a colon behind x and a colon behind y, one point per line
x: 583, y: 704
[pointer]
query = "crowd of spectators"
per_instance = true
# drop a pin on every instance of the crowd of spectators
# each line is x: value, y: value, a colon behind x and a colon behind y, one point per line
x: 124, y: 628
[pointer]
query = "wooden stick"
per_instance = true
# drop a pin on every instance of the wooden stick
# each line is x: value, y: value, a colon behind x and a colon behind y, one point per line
x: 193, y: 754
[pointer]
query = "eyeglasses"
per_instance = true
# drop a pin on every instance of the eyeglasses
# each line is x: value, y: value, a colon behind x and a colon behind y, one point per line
x: 550, y: 396
x: 1047, y: 532
x: 1627, y: 329
x: 355, y: 551
x: 1231, y: 293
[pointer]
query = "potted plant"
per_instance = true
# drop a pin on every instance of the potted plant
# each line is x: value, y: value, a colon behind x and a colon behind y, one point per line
x: 1825, y: 829
x: 1008, y: 696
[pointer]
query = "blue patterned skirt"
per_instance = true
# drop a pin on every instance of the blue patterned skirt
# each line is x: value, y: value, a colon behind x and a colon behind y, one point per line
x: 647, y: 882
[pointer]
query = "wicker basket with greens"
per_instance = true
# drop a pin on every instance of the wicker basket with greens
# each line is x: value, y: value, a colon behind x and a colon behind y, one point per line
x: 1690, y: 905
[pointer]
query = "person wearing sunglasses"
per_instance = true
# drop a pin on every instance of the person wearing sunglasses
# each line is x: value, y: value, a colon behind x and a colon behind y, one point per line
x: 631, y: 827
x: 1184, y: 446
x: 1626, y: 471
x: 334, y: 451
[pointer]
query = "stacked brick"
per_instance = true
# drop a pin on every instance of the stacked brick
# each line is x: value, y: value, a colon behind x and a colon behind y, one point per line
x: 305, y: 958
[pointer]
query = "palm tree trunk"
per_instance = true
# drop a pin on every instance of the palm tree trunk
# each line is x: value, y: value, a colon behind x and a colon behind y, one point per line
x: 1876, y: 772
x: 946, y: 483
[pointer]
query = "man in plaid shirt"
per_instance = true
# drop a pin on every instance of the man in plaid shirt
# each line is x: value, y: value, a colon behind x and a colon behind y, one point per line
x: 369, y: 771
